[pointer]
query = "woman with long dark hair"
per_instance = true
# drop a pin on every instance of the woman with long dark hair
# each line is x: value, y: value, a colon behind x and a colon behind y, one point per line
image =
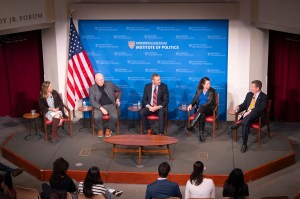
x: 59, y: 179
x: 198, y: 186
x: 93, y: 185
x: 235, y: 185
x: 204, y: 99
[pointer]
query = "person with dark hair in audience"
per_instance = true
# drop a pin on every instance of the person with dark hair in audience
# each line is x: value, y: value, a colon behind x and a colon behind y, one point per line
x: 235, y: 186
x: 51, y: 104
x: 254, y: 105
x: 4, y: 192
x: 7, y: 174
x: 163, y: 188
x: 198, y: 186
x: 204, y: 99
x: 93, y: 185
x: 59, y: 179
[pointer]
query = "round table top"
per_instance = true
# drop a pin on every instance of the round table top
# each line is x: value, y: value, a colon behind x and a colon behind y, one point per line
x: 31, y: 116
x: 133, y: 108
x: 141, y: 140
x: 88, y: 108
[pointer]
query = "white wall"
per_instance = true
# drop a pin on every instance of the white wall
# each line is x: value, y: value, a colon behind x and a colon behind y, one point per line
x: 277, y: 15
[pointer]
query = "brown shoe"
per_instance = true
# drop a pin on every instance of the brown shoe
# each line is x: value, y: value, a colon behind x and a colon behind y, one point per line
x: 107, y: 133
x: 16, y: 172
x: 100, y: 134
x: 149, y: 132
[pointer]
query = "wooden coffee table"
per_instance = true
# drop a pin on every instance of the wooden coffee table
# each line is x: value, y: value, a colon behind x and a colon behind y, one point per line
x: 141, y: 141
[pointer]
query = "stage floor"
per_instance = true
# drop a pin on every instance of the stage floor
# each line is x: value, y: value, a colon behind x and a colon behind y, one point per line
x: 219, y: 155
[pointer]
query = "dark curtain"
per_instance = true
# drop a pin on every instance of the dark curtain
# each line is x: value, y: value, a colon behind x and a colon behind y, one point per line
x: 22, y: 66
x: 284, y: 76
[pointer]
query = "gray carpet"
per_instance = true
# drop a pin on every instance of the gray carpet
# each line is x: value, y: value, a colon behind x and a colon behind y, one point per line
x: 284, y: 182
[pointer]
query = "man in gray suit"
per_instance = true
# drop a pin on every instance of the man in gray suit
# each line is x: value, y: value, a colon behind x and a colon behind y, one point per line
x: 104, y: 101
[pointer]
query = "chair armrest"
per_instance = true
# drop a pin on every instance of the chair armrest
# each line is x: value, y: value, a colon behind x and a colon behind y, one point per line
x: 68, y: 110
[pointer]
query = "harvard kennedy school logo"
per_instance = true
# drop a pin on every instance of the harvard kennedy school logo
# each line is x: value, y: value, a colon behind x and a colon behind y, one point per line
x: 131, y: 44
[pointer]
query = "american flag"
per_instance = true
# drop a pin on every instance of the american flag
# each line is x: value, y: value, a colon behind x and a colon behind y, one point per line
x: 80, y: 71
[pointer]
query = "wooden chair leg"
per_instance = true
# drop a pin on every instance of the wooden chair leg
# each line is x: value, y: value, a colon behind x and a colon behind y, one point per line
x: 70, y: 128
x: 235, y: 134
x: 45, y: 131
x: 141, y: 126
x: 259, y: 129
x: 118, y: 126
x: 213, y: 129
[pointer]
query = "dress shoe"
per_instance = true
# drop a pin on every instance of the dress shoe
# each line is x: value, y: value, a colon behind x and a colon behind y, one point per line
x: 244, y: 148
x: 234, y: 127
x: 149, y: 132
x: 201, y: 137
x: 100, y: 134
x: 108, y: 133
x: 190, y: 128
x: 16, y: 172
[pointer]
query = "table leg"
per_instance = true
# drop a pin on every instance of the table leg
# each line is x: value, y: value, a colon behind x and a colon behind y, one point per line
x: 169, y: 152
x: 133, y: 119
x: 35, y: 126
x: 29, y: 126
x: 113, y: 151
x: 140, y: 154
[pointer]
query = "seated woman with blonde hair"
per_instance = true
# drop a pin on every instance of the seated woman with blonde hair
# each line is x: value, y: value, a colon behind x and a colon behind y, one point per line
x: 51, y: 103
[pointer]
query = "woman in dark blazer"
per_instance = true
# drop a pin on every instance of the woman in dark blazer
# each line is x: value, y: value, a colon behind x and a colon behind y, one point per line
x: 204, y: 100
x: 51, y: 104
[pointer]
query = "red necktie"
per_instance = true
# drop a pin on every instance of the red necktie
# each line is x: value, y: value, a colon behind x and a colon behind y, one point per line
x: 155, y: 97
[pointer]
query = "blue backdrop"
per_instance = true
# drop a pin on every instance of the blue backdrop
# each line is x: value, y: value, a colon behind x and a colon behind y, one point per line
x: 128, y: 52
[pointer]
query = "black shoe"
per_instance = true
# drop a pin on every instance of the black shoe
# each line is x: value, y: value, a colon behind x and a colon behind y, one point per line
x: 244, y: 148
x: 16, y: 172
x: 201, y: 138
x: 234, y: 127
x: 190, y: 128
x: 117, y: 193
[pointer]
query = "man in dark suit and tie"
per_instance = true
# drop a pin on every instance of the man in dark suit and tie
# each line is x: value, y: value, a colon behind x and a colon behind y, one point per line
x: 163, y: 188
x: 254, y: 105
x: 155, y: 100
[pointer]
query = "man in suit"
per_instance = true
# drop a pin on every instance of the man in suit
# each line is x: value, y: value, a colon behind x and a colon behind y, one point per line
x: 155, y: 100
x: 254, y: 105
x: 163, y: 188
x: 103, y: 99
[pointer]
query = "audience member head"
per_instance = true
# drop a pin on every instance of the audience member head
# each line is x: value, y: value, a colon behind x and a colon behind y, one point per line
x: 196, y: 177
x: 45, y: 89
x: 236, y: 180
x: 204, y: 83
x: 164, y: 169
x: 92, y: 177
x: 255, y: 86
x: 155, y: 79
x: 1, y: 180
x: 55, y: 195
x: 60, y: 167
x: 99, y: 79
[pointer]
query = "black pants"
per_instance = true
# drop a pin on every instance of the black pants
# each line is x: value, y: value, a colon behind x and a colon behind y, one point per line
x: 144, y: 112
x: 7, y: 175
x: 246, y: 123
x: 204, y: 111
